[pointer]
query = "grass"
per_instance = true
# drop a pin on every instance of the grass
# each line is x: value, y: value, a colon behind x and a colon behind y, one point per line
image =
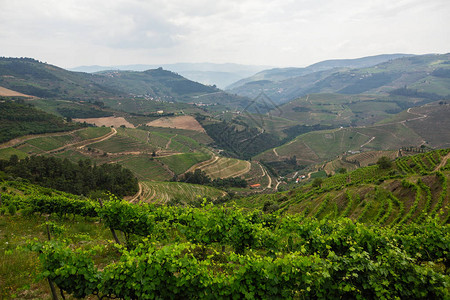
x: 137, y: 134
x: 184, y: 143
x: 318, y: 174
x: 431, y: 84
x: 7, y: 152
x: 19, y: 267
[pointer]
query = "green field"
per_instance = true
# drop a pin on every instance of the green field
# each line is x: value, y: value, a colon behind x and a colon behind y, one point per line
x: 92, y: 132
x: 124, y: 141
x: 199, y: 137
x: 139, y: 140
x: 7, y: 152
x: 50, y: 142
x: 146, y: 168
x: 73, y: 109
x: 72, y: 155
x: 180, y: 163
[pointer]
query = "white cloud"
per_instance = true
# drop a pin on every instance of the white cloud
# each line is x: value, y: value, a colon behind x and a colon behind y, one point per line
x: 286, y: 33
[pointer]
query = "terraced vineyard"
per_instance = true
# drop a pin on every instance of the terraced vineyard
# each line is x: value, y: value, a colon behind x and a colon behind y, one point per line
x: 333, y: 166
x: 126, y: 140
x: 225, y: 167
x: 233, y: 248
x: 422, y: 163
x: 416, y: 186
x: 179, y: 192
x: 180, y: 163
x: 365, y: 159
x: 318, y: 146
x: 146, y: 168
x: 53, y: 142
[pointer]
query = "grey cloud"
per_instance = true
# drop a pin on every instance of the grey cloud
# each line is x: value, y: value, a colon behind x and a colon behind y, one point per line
x: 274, y: 32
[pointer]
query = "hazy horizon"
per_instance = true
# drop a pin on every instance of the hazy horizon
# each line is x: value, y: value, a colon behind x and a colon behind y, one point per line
x: 287, y: 33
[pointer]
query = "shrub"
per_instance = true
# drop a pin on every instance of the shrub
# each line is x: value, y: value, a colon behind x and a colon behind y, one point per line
x: 12, y: 209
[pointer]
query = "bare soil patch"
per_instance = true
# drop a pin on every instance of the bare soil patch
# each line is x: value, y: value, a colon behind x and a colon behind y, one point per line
x: 181, y: 122
x: 10, y: 93
x: 107, y: 121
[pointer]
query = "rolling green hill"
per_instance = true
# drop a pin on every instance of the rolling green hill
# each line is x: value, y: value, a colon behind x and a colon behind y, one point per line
x: 280, y: 74
x: 415, y: 186
x: 424, y: 73
x: 425, y: 125
x: 179, y: 193
x: 39, y: 79
x: 156, y: 83
x: 368, y: 217
x: 374, y: 230
x: 42, y: 80
x: 18, y: 119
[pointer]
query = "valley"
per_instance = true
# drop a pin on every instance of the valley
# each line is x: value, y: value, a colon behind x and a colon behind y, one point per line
x: 340, y: 169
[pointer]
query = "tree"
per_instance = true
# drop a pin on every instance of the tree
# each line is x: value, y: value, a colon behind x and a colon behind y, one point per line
x: 342, y: 170
x: 317, y: 182
x: 384, y: 163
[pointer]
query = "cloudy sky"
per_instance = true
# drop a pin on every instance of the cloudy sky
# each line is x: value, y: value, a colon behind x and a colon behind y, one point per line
x: 71, y: 33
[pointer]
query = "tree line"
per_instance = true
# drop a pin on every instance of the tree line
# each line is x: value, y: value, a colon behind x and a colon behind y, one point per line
x: 82, y: 178
x: 18, y: 118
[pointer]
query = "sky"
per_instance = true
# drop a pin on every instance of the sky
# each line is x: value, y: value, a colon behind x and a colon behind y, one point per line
x: 283, y: 33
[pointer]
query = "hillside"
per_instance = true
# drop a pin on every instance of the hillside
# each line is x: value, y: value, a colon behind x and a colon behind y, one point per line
x: 407, y: 191
x: 220, y: 75
x: 156, y: 83
x: 151, y: 153
x: 349, y: 110
x: 10, y: 93
x: 424, y: 73
x: 335, y: 239
x: 31, y: 77
x: 425, y: 125
x: 18, y: 119
x: 280, y: 74
x: 42, y: 80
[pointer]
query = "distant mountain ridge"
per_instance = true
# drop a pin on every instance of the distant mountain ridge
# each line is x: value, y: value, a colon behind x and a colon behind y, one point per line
x: 424, y: 73
x: 35, y: 78
x: 279, y: 74
x: 220, y: 75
